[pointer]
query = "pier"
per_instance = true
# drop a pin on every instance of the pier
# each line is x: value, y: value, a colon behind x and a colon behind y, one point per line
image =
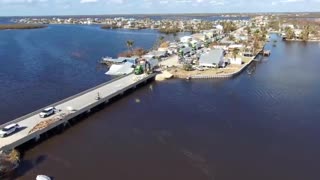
x: 32, y: 126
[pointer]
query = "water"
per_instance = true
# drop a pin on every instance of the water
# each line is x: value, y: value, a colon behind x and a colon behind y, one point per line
x: 39, y: 67
x: 259, y: 126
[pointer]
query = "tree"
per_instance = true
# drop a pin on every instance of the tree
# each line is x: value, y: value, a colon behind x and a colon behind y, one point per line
x: 130, y: 45
x: 248, y: 29
x: 161, y: 38
x: 305, y: 33
x: 229, y: 26
x: 231, y: 38
x: 289, y: 33
x: 235, y: 52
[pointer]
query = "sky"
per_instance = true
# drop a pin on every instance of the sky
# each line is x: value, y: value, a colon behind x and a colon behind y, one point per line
x: 104, y: 7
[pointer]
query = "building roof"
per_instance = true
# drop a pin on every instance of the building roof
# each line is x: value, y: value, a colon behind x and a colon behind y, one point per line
x: 211, y: 57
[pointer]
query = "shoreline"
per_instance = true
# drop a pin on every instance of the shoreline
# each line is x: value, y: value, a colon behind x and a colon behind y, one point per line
x: 300, y: 40
x: 215, y: 76
x: 21, y: 26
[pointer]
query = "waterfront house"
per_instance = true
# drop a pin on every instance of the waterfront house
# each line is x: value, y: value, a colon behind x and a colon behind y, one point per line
x: 199, y: 37
x: 213, y: 58
x: 119, y: 60
x: 185, y: 39
x: 156, y: 54
x: 235, y: 61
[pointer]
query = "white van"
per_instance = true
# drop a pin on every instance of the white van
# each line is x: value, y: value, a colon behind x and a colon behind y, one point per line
x: 47, y: 112
x: 10, y: 129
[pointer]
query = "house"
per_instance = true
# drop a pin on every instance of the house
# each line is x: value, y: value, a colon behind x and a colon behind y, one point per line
x: 235, y: 46
x: 195, y: 44
x: 158, y: 54
x: 287, y: 26
x: 185, y: 39
x: 209, y: 33
x: 219, y: 28
x: 184, y: 50
x: 120, y: 60
x: 236, y: 61
x: 213, y: 58
x: 199, y: 37
x: 298, y: 33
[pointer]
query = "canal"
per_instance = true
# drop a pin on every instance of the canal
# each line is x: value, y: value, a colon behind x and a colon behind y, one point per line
x: 262, y: 125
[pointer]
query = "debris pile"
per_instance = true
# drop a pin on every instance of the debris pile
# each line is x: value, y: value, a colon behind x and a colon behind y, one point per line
x: 47, y: 123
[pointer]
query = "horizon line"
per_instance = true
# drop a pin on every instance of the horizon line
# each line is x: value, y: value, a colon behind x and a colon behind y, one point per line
x: 169, y: 14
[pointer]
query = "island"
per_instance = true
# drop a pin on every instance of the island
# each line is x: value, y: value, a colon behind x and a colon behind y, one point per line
x: 21, y: 26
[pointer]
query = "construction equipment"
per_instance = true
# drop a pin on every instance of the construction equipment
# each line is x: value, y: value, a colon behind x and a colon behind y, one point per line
x: 138, y: 70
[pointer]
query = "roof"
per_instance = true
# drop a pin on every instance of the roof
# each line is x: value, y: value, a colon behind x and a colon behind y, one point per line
x: 211, y: 57
x: 10, y: 126
x: 48, y: 108
x: 121, y: 59
x: 157, y: 53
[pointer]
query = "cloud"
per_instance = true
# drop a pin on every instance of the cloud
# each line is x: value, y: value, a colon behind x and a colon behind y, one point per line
x: 88, y: 1
x: 22, y: 1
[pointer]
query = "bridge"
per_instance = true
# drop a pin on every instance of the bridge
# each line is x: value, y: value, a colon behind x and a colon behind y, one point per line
x: 32, y: 126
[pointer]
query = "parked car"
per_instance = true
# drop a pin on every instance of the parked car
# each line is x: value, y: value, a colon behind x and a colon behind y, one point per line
x: 9, y: 129
x: 47, y: 112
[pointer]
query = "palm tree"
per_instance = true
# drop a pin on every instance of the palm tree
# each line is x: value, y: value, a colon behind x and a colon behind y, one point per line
x: 248, y: 29
x: 235, y: 52
x: 161, y: 38
x: 130, y: 45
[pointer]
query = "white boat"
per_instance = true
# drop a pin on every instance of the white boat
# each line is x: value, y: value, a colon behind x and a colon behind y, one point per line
x: 43, y: 177
x: 120, y: 69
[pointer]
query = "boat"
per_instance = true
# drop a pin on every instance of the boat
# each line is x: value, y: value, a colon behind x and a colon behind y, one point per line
x: 43, y: 177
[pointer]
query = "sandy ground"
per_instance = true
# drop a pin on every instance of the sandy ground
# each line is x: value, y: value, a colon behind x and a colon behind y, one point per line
x: 171, y: 61
x: 177, y: 72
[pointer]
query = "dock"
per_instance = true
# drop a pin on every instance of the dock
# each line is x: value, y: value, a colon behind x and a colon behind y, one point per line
x: 32, y: 126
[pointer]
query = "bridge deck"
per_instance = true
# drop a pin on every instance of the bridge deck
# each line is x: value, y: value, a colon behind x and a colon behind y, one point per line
x: 80, y: 103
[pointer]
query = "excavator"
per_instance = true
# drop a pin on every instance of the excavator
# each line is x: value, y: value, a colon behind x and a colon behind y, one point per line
x: 138, y: 70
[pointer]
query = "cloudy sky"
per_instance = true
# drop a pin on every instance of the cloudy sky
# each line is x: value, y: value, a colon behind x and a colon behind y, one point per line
x: 93, y: 7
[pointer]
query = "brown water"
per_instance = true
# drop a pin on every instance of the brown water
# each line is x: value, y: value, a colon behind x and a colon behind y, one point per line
x: 260, y: 126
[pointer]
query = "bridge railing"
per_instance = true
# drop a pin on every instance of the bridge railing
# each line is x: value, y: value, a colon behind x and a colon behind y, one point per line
x: 62, y: 101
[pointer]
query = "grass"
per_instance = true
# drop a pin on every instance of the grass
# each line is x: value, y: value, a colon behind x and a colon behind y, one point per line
x: 21, y: 26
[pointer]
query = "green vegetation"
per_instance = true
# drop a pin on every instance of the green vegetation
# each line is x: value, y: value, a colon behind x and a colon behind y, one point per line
x: 171, y: 30
x: 235, y: 52
x: 134, y: 52
x: 21, y: 26
x: 187, y: 67
x: 274, y: 25
x: 130, y: 45
x: 229, y: 26
x: 289, y: 33
x: 305, y: 33
x: 110, y: 26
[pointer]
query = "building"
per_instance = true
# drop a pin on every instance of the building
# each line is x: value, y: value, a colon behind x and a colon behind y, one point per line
x: 236, y: 61
x: 213, y: 58
x: 199, y: 37
x: 185, y: 39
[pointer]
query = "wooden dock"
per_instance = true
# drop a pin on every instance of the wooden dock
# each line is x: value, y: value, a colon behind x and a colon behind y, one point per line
x: 32, y: 126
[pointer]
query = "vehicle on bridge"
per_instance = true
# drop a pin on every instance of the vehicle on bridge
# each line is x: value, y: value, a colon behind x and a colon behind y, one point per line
x: 9, y: 129
x: 47, y: 112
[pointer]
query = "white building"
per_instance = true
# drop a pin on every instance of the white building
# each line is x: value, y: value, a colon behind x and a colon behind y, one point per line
x: 185, y: 39
x: 213, y: 58
x: 236, y: 61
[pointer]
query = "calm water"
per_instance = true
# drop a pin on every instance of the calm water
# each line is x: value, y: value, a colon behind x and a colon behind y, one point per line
x: 39, y: 67
x: 260, y: 126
